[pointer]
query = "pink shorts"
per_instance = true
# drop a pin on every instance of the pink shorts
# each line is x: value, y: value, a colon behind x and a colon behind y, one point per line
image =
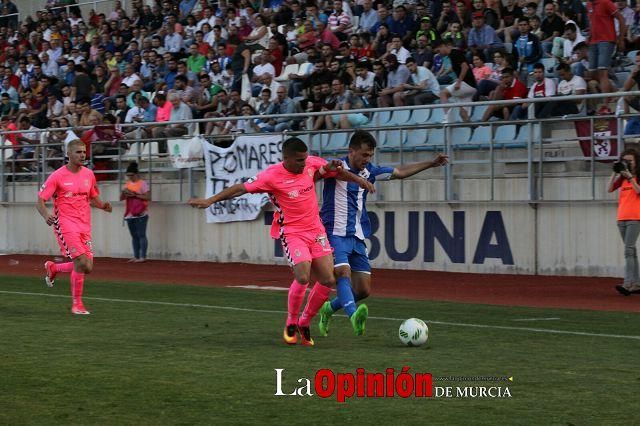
x: 74, y: 244
x: 304, y: 247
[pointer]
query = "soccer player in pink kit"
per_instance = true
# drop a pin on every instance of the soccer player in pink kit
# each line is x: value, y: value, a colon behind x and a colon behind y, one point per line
x: 74, y: 190
x: 296, y: 222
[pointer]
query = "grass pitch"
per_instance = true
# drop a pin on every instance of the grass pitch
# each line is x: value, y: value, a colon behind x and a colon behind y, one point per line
x: 145, y: 357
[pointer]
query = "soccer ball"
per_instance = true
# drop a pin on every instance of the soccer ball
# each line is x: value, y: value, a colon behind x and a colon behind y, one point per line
x: 413, y: 332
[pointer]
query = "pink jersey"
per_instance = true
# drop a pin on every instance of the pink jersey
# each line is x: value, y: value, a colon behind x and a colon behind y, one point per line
x: 293, y: 195
x: 71, y: 195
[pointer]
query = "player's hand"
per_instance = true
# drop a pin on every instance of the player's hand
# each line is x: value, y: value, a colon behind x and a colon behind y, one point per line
x: 440, y: 160
x: 365, y: 184
x: 334, y: 166
x: 107, y: 207
x: 51, y: 219
x: 199, y: 203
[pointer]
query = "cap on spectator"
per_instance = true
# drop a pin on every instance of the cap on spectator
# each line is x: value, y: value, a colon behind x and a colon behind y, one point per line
x: 426, y: 19
x: 477, y: 15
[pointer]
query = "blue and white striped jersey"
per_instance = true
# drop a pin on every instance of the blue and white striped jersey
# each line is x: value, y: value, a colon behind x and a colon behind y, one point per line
x: 343, y: 210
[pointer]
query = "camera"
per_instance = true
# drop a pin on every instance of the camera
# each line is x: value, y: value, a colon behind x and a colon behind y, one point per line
x: 621, y: 166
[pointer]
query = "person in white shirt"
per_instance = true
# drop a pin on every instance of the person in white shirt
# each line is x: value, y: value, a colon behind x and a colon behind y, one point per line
x: 173, y: 41
x: 397, y: 49
x: 363, y: 85
x: 423, y: 87
x: 260, y: 71
x: 570, y: 85
x: 542, y: 87
x: 130, y: 76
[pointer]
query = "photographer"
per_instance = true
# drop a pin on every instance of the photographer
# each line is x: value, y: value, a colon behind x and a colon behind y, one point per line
x: 625, y: 178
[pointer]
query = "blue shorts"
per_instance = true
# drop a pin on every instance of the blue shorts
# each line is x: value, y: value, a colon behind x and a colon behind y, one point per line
x: 600, y: 55
x: 350, y: 251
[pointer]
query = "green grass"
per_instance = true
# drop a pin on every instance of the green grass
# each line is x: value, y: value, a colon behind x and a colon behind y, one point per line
x: 138, y: 363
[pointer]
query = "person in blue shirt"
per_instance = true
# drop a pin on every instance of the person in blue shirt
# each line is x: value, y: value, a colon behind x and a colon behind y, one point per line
x: 344, y: 216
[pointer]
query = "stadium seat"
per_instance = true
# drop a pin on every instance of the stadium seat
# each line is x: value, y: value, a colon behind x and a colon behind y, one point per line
x: 324, y: 140
x: 632, y: 55
x: 460, y: 136
x: 435, y: 139
x: 523, y: 135
x: 437, y: 116
x: 505, y: 136
x: 419, y: 116
x: 245, y: 94
x: 622, y: 77
x: 134, y: 151
x: 7, y: 153
x: 549, y: 67
x: 379, y: 118
x: 304, y: 68
x: 390, y: 140
x: 481, y: 137
x: 150, y: 150
x: 289, y: 69
x: 337, y: 142
x: 478, y: 112
x: 416, y: 137
x: 399, y: 117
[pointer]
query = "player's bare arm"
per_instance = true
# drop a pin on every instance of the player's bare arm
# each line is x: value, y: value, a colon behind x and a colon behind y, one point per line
x: 102, y: 205
x: 48, y: 217
x: 406, y: 170
x: 233, y: 191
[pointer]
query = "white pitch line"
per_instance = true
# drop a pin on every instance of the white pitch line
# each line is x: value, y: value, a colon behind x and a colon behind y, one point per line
x: 535, y: 319
x: 266, y: 311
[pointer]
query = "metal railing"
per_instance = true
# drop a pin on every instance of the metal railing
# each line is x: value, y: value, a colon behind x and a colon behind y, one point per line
x: 93, y: 3
x: 11, y: 167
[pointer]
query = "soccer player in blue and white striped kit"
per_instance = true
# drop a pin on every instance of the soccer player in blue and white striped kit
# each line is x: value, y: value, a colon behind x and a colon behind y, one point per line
x: 344, y: 216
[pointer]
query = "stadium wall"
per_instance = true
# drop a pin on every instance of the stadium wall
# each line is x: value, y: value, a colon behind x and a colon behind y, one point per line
x: 570, y: 238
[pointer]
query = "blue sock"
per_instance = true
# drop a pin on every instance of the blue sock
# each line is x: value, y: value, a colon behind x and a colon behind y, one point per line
x: 345, y: 295
x: 336, y: 305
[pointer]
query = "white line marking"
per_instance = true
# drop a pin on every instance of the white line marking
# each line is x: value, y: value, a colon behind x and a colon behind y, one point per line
x: 258, y: 287
x: 267, y: 311
x: 535, y: 319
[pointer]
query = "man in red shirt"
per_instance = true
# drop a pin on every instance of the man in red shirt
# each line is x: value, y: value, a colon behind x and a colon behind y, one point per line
x: 509, y: 88
x: 603, y: 39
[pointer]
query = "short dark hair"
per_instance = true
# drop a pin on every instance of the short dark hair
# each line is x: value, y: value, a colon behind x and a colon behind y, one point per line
x: 292, y: 146
x: 410, y: 59
x: 564, y: 67
x: 507, y: 70
x: 571, y: 27
x: 362, y: 137
x: 539, y: 66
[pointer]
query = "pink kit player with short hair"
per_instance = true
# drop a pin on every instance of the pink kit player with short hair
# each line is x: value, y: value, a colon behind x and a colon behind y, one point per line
x: 296, y: 222
x: 74, y: 190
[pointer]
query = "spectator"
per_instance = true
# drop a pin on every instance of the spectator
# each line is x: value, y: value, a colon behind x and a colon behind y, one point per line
x: 368, y: 17
x: 423, y: 87
x: 401, y: 24
x: 526, y: 49
x: 510, y: 88
x: 552, y: 26
x: 464, y: 87
x: 570, y: 85
x: 281, y: 105
x: 480, y: 69
x: 396, y: 49
x: 603, y: 39
x: 180, y: 116
x: 137, y: 195
x: 397, y: 76
x: 482, y: 37
x: 542, y: 87
x: 345, y: 100
x: 339, y: 21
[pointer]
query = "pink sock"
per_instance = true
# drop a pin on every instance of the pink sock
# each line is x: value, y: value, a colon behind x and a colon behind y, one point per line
x: 77, y: 285
x: 64, y: 267
x: 319, y: 294
x: 296, y: 296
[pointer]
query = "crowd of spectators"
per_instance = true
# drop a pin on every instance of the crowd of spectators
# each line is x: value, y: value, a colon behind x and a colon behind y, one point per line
x: 172, y: 60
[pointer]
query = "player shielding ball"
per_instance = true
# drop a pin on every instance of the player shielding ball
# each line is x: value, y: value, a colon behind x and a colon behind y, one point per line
x: 296, y: 222
x: 74, y: 190
x: 344, y: 215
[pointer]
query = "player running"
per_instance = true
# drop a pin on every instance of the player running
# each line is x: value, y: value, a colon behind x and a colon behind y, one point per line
x: 296, y: 222
x: 74, y: 190
x: 344, y: 216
